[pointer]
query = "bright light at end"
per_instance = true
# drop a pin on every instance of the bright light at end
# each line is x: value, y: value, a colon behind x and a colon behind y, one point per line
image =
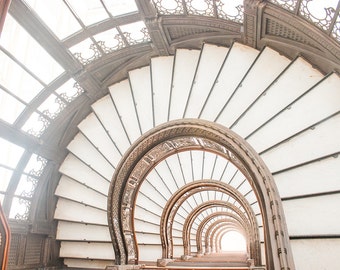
x: 233, y: 241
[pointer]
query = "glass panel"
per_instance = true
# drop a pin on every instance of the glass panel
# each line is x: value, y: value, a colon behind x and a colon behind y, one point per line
x: 168, y: 7
x: 287, y: 4
x: 231, y: 11
x: 319, y: 11
x: 52, y: 106
x: 135, y: 32
x: 36, y: 165
x: 86, y: 51
x: 51, y: 11
x: 26, y: 186
x: 200, y: 7
x: 10, y: 108
x: 120, y: 7
x: 17, y: 80
x: 5, y: 176
x: 89, y: 11
x: 70, y: 90
x: 20, y: 209
x: 110, y: 40
x: 36, y: 125
x: 10, y: 153
x: 19, y: 43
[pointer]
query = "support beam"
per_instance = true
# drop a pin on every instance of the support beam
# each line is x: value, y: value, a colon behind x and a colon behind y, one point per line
x: 4, y: 5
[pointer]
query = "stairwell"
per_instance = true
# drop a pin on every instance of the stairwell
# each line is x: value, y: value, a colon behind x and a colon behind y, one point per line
x: 286, y: 110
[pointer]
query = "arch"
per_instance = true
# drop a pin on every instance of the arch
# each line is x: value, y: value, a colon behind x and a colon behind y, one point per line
x: 195, y: 212
x: 222, y: 233
x: 234, y: 219
x: 188, y: 190
x: 179, y: 135
x: 209, y: 238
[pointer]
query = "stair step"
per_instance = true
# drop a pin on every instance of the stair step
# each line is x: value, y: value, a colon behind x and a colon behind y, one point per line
x: 161, y: 71
x: 255, y: 82
x: 237, y: 62
x: 210, y: 62
x: 183, y: 75
x: 287, y: 110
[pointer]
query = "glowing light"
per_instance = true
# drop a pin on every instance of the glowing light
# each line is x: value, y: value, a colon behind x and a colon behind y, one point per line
x: 233, y: 241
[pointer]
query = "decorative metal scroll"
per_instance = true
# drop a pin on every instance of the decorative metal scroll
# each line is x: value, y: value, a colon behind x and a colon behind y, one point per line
x: 4, y: 240
x: 222, y: 9
x: 318, y: 12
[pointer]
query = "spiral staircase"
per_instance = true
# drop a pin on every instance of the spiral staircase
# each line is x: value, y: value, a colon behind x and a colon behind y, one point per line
x: 284, y: 108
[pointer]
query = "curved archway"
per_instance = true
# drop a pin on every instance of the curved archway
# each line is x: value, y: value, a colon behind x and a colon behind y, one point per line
x: 195, y: 212
x: 197, y: 186
x: 180, y: 135
x: 210, y: 236
x: 231, y: 218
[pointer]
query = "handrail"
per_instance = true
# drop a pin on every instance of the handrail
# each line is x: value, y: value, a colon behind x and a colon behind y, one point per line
x: 4, y: 239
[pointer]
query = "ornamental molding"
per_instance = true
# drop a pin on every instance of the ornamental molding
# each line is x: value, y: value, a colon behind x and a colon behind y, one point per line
x: 313, y: 36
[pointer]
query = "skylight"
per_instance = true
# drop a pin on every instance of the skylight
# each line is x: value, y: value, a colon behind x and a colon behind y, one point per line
x: 224, y: 9
x: 135, y: 32
x: 17, y: 80
x: 10, y: 154
x: 10, y: 107
x: 120, y: 7
x: 86, y: 51
x: 36, y: 124
x: 110, y: 40
x: 21, y: 78
x: 5, y: 175
x: 28, y: 51
x: 89, y: 11
x: 51, y: 11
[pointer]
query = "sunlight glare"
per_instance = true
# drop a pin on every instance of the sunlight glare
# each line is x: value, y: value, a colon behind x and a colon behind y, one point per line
x: 233, y: 241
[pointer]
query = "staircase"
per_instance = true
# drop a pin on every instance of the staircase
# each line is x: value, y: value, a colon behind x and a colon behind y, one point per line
x: 287, y: 111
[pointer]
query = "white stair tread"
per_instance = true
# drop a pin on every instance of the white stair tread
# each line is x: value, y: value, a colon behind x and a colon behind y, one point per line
x: 73, y: 211
x: 91, y: 250
x: 122, y: 97
x: 210, y: 62
x: 82, y: 232
x: 76, y: 169
x: 161, y: 71
x: 83, y: 149
x: 96, y: 133
x: 239, y: 60
x: 184, y: 72
x: 68, y: 188
x: 140, y: 80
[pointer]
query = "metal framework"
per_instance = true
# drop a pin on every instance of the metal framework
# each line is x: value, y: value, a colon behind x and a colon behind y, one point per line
x: 187, y: 227
x: 233, y: 220
x: 5, y: 236
x: 188, y: 190
x: 181, y: 135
